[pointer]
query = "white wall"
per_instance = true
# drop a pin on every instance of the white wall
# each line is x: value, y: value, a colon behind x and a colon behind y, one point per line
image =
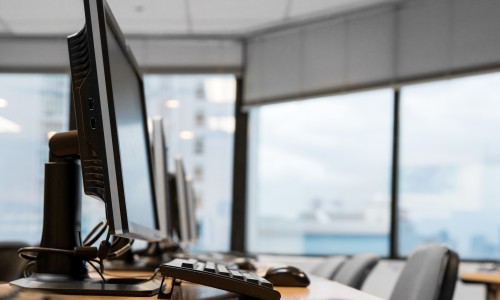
x: 394, y: 44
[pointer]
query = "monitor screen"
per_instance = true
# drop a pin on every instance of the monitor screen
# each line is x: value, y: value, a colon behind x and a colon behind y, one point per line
x: 133, y: 143
x: 112, y: 127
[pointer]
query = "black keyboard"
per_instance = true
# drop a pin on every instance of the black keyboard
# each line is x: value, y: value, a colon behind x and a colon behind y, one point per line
x: 221, y: 277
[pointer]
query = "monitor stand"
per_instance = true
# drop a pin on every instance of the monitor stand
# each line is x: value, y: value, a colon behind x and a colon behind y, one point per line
x: 148, y: 259
x: 64, y: 273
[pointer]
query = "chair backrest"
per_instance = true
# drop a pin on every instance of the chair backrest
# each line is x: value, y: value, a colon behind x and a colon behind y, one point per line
x: 329, y: 267
x: 11, y: 265
x: 354, y: 271
x: 430, y: 274
x: 382, y: 279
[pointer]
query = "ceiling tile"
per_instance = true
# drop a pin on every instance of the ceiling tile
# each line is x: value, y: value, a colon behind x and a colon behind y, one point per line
x: 224, y: 26
x: 148, y: 9
x: 150, y: 16
x: 44, y: 28
x: 145, y: 17
x: 308, y: 8
x: 42, y: 17
x: 237, y: 9
x: 152, y: 27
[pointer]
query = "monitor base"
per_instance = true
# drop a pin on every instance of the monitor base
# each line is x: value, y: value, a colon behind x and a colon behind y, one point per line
x: 113, y: 287
x: 148, y: 264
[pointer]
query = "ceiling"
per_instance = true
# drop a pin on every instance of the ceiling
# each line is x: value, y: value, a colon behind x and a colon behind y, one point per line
x: 170, y: 17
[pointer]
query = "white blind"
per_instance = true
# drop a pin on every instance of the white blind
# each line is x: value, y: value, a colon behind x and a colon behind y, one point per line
x: 417, y: 39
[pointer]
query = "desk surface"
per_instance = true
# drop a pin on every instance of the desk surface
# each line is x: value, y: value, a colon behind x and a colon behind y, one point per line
x: 319, y: 289
x: 490, y: 277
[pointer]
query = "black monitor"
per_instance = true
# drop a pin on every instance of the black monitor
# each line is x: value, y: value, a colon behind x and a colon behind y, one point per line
x: 160, y: 168
x: 112, y: 143
x: 183, y: 229
x: 184, y: 205
x: 149, y: 258
x: 191, y: 211
x: 112, y: 125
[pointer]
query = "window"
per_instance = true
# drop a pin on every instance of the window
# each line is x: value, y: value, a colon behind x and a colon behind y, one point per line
x: 32, y: 108
x: 450, y: 161
x: 320, y: 175
x: 186, y: 102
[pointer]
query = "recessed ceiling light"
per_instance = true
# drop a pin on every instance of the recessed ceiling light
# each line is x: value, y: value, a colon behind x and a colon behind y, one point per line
x: 186, y: 135
x: 3, y: 103
x: 172, y: 103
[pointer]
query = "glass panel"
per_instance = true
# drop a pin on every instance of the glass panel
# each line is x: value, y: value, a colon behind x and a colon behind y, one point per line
x: 32, y: 108
x: 198, y: 113
x: 450, y: 165
x: 320, y: 175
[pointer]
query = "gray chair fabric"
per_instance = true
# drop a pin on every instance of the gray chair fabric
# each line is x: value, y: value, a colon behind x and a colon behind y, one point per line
x: 430, y: 274
x: 329, y: 266
x: 354, y: 271
x: 11, y: 265
x: 382, y: 279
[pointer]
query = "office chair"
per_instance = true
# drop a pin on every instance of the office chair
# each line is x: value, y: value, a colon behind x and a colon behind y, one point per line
x: 430, y: 274
x: 329, y: 267
x: 11, y: 265
x: 354, y: 271
x: 382, y: 279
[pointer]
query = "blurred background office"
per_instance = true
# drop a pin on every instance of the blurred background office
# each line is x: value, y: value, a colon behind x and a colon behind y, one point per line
x: 364, y: 125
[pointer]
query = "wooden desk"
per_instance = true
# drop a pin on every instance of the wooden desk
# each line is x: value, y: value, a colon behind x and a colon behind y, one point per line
x: 319, y: 289
x: 490, y: 278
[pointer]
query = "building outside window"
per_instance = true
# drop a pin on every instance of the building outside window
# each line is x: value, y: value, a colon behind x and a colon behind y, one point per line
x: 327, y: 160
x: 450, y: 162
x: 186, y: 102
x: 320, y: 175
x: 32, y: 108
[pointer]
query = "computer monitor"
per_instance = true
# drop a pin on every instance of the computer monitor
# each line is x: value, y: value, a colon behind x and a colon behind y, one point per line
x: 149, y: 258
x: 183, y: 227
x: 112, y: 143
x: 112, y: 125
x: 191, y: 204
x: 160, y: 167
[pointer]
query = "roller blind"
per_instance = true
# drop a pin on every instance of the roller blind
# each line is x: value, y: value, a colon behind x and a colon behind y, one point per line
x: 382, y: 46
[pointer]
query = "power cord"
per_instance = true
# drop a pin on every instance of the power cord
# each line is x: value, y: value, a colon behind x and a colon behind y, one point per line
x: 89, y: 240
x: 92, y: 255
x: 88, y: 253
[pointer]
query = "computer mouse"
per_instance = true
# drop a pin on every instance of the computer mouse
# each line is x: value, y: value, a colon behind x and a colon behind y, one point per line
x: 287, y: 276
x: 244, y: 264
